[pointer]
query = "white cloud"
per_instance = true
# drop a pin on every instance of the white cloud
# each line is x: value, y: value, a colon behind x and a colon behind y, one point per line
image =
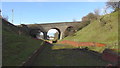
x: 80, y: 19
x: 16, y: 24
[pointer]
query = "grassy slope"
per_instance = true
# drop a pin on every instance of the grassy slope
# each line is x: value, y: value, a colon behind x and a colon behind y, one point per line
x: 17, y: 48
x: 0, y: 43
x: 95, y: 32
x: 0, y: 28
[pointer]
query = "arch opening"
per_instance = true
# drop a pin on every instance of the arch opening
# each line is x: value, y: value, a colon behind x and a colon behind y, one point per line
x: 37, y: 33
x: 53, y: 34
x: 69, y: 31
x: 40, y: 35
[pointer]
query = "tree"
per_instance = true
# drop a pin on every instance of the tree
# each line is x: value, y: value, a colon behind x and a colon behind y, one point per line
x: 96, y: 13
x: 91, y: 16
x: 113, y: 4
x: 0, y: 12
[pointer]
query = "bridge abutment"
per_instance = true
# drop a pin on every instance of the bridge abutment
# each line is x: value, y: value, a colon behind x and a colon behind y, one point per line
x: 61, y: 35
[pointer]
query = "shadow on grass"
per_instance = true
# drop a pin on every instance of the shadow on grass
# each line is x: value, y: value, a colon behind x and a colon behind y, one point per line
x: 68, y: 57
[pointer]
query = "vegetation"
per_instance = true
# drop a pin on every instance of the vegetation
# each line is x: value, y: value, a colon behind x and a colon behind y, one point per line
x: 104, y: 30
x: 90, y: 17
x: 113, y: 4
x: 17, y: 48
x: 67, y: 57
x: 0, y: 27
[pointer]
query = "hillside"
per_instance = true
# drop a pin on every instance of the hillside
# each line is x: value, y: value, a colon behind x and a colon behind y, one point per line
x: 16, y: 48
x: 104, y: 30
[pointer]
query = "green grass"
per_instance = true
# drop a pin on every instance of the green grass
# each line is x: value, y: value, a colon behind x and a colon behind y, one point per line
x: 67, y: 57
x: 0, y: 26
x: 17, y: 48
x: 99, y: 32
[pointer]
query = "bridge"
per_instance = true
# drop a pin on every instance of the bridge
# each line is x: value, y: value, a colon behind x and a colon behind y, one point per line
x: 60, y: 27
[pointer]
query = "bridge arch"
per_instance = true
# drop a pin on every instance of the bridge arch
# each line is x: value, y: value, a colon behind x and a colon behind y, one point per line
x: 69, y: 31
x: 37, y: 33
x: 59, y: 32
x: 61, y: 27
x: 40, y: 35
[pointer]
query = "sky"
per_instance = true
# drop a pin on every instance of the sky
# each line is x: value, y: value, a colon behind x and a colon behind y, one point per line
x: 55, y: 0
x: 51, y: 32
x: 48, y: 12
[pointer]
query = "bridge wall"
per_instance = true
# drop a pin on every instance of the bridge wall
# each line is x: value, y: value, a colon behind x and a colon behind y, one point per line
x: 60, y: 26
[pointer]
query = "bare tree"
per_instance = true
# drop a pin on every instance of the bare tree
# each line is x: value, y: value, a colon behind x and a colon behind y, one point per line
x: 113, y: 4
x: 0, y: 12
x: 97, y: 13
x: 105, y: 10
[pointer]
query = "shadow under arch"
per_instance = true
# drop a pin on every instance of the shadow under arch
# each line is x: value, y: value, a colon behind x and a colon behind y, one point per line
x: 40, y: 35
x: 35, y: 33
x: 59, y: 32
x: 69, y: 31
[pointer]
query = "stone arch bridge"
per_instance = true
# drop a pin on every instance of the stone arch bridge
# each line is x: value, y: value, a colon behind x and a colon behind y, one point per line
x: 61, y: 27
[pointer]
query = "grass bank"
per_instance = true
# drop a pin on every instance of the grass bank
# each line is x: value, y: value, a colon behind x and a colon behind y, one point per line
x: 17, y: 48
x: 104, y: 30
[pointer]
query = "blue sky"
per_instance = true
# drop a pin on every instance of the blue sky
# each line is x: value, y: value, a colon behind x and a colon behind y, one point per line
x: 48, y: 12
